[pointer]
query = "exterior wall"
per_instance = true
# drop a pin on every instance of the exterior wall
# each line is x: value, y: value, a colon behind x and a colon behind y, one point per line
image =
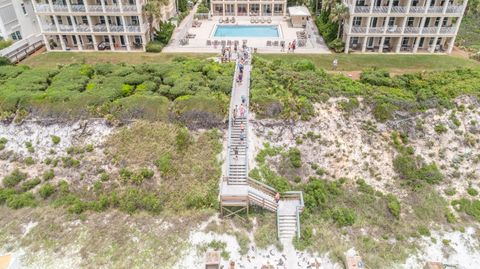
x: 13, y: 19
x: 248, y: 8
x: 402, y: 25
x: 103, y: 25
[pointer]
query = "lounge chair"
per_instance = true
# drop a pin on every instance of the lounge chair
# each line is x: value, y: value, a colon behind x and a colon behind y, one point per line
x: 275, y: 43
x: 226, y: 20
x: 232, y: 20
x: 229, y: 42
x: 244, y: 42
x: 209, y: 42
x: 220, y: 20
x: 236, y: 42
x: 256, y: 20
x: 215, y: 43
x: 252, y: 20
x: 269, y: 20
x: 224, y: 43
x: 262, y: 20
x: 269, y: 43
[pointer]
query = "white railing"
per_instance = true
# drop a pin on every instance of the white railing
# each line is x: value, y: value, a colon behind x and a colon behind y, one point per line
x: 49, y: 28
x: 435, y: 9
x: 130, y: 8
x: 65, y: 28
x: 412, y: 30
x: 60, y: 8
x: 359, y: 30
x: 134, y: 28
x: 454, y: 9
x: 230, y: 117
x: 447, y: 30
x: 100, y: 28
x: 77, y: 8
x: 417, y: 9
x: 117, y: 28
x: 381, y: 9
x: 95, y: 8
x: 43, y: 8
x: 83, y: 28
x: 376, y: 30
x: 360, y: 9
x: 112, y: 8
x: 429, y: 30
x: 398, y: 9
x: 394, y: 29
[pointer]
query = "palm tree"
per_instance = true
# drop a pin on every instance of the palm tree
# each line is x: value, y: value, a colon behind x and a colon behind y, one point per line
x: 152, y: 12
x: 327, y: 5
x: 339, y: 14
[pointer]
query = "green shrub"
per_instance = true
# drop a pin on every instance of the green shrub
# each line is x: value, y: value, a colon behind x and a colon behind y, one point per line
x: 14, y: 178
x: 104, y: 176
x: 30, y: 184
x: 393, y: 205
x: 29, y: 160
x: 55, y: 139
x: 21, y: 200
x: 343, y: 216
x: 414, y: 172
x: 5, y: 194
x: 423, y: 231
x: 47, y: 175
x: 154, y: 46
x: 295, y: 157
x: 69, y: 162
x: 472, y: 191
x: 337, y: 45
x: 46, y: 190
x: 450, y: 191
x: 470, y: 207
x: 164, y: 163
x: 304, y: 65
x: 182, y: 139
x: 89, y: 148
x: 440, y: 128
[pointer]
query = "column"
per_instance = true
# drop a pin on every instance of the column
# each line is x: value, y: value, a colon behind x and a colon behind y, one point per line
x: 434, y: 44
x: 371, y: 5
x: 144, y: 41
x: 445, y: 5
x: 364, y: 45
x: 45, y: 40
x: 62, y: 42
x: 347, y: 44
x: 422, y: 24
x: 369, y: 21
x: 110, y: 40
x: 390, y: 4
x: 127, y: 42
x: 399, y: 44
x: 223, y: 10
x: 79, y: 42
x: 417, y: 44
x: 120, y: 4
x: 124, y: 24
x: 382, y: 42
x: 94, y: 41
x: 427, y: 5
x: 451, y: 44
x: 439, y: 27
x: 103, y: 5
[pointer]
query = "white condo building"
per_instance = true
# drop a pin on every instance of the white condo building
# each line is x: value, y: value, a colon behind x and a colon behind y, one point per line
x: 248, y: 8
x: 17, y: 19
x: 402, y: 25
x: 116, y: 25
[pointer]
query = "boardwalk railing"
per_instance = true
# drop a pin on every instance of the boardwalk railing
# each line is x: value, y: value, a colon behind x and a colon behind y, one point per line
x: 230, y: 124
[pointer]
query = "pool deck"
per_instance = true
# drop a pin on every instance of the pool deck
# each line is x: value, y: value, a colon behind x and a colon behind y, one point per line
x: 206, y: 31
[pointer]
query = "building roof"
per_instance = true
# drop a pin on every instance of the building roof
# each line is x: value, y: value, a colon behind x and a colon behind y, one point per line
x: 298, y: 11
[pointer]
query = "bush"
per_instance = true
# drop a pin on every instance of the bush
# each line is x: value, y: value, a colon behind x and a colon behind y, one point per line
x: 164, y: 32
x: 132, y: 200
x: 104, y: 176
x: 46, y: 190
x: 414, y: 172
x: 49, y: 174
x: 164, y: 163
x: 154, y: 46
x: 295, y: 157
x: 440, y: 128
x: 337, y: 45
x: 472, y: 191
x: 4, y: 61
x: 393, y: 205
x: 304, y: 65
x: 21, y: 200
x: 55, y: 139
x: 14, y: 178
x: 29, y: 160
x: 343, y: 216
x: 30, y: 184
x: 423, y: 231
x: 5, y: 43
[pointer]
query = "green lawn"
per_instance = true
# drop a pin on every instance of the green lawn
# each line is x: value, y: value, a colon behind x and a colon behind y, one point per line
x: 394, y: 63
x: 351, y: 62
x: 55, y: 58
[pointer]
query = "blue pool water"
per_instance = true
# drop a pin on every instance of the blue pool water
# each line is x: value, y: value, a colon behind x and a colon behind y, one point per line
x: 246, y: 31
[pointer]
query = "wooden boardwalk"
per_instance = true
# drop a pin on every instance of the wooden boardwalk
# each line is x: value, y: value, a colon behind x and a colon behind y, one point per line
x: 238, y: 191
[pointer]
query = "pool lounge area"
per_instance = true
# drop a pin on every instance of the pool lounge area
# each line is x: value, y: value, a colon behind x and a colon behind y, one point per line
x: 267, y: 35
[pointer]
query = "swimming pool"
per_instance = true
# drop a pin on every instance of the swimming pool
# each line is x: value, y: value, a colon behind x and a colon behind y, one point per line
x: 246, y: 31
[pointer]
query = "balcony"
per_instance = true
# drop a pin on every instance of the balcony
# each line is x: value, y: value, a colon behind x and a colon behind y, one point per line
x: 49, y: 28
x: 129, y: 8
x: 382, y: 9
x: 100, y: 28
x: 448, y: 30
x: 359, y: 30
x: 43, y: 8
x: 117, y: 28
x: 112, y: 8
x: 429, y: 30
x: 83, y: 28
x: 65, y: 28
x: 412, y: 30
x: 362, y: 9
x: 451, y: 9
x: 436, y: 9
x: 134, y: 29
x: 454, y: 9
x: 95, y: 8
x: 60, y: 8
x: 417, y: 9
x: 78, y: 8
x: 398, y: 9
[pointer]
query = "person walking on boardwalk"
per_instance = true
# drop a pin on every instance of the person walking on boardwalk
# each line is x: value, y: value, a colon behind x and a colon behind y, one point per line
x: 242, y: 137
x: 235, y: 152
x: 277, y: 197
x: 242, y: 127
x: 282, y: 45
x: 289, y: 47
x: 244, y: 99
x: 242, y: 111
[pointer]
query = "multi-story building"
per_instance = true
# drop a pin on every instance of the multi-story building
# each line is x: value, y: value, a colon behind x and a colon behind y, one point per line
x: 402, y: 25
x: 17, y: 19
x: 248, y: 7
x: 117, y: 25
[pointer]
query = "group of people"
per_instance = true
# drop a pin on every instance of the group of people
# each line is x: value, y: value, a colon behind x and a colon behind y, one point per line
x: 227, y: 54
x: 243, y: 56
x: 239, y: 111
x: 291, y: 46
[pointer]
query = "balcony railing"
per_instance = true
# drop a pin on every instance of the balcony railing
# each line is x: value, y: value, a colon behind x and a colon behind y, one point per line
x: 60, y: 8
x: 429, y: 30
x: 100, y: 28
x: 362, y: 9
x: 49, y: 28
x: 359, y: 30
x: 454, y: 9
x: 78, y: 8
x: 435, y: 9
x: 417, y: 9
x: 447, y: 30
x: 83, y: 28
x: 43, y: 8
x: 380, y: 9
x: 134, y: 28
x: 398, y: 9
x: 117, y: 28
x: 112, y: 8
x: 95, y: 8
x: 398, y: 30
x: 412, y: 30
x: 129, y: 8
x: 376, y: 30
x: 65, y: 28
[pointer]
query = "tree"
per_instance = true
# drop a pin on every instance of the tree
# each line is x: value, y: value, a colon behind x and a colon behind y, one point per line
x: 328, y: 5
x: 152, y: 12
x: 339, y: 14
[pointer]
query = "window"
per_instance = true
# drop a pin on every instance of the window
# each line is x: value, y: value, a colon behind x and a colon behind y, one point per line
x: 437, y: 21
x: 387, y: 41
x: 422, y: 40
x: 391, y: 21
x: 405, y: 41
x: 59, y: 19
x: 373, y: 23
x: 427, y: 22
x: 135, y: 20
x: 360, y: 3
x: 89, y: 39
x: 415, y: 3
x: 355, y: 40
x: 16, y: 35
x: 410, y: 21
x: 24, y: 9
x: 138, y: 39
x: 357, y: 21
x: 84, y: 20
x: 445, y: 21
